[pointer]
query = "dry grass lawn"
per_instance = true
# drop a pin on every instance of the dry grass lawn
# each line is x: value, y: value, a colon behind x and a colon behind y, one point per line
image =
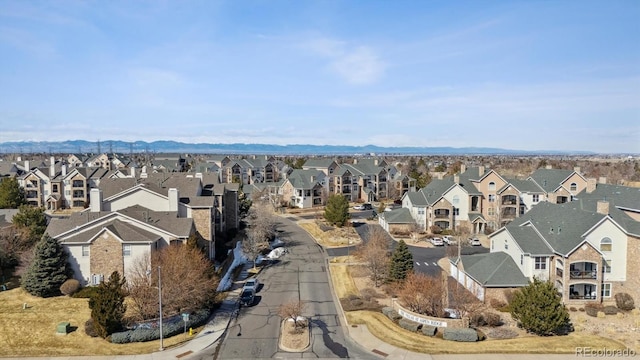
x: 333, y: 238
x: 387, y: 331
x: 343, y: 283
x: 32, y: 332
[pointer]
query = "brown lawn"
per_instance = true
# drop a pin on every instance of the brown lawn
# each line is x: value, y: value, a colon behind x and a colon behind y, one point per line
x: 332, y: 238
x: 32, y: 332
x: 343, y: 283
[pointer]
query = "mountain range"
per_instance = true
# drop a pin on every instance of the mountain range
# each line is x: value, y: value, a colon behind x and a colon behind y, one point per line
x: 167, y: 146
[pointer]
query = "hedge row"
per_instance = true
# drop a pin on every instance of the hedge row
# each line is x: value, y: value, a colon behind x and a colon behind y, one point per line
x: 140, y: 334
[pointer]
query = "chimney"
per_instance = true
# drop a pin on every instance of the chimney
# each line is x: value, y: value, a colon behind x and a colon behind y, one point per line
x: 603, y: 207
x: 456, y: 179
x: 143, y: 174
x: 313, y: 178
x: 95, y: 200
x: 602, y: 180
x: 27, y: 165
x: 375, y: 162
x: 591, y: 185
x: 199, y: 175
x: 480, y: 170
x: 63, y: 168
x: 548, y: 167
x: 133, y: 172
x: 52, y: 167
x: 463, y: 168
x: 576, y: 169
x: 440, y: 175
x: 355, y: 161
x: 174, y: 197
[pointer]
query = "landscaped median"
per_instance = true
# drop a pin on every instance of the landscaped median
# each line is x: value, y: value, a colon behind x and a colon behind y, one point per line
x: 330, y: 236
x: 390, y: 332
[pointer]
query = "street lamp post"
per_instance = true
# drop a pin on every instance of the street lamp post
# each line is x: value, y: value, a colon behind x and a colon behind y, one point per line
x: 160, y: 303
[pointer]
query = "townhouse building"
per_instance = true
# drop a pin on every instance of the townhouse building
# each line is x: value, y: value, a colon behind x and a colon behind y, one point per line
x: 305, y: 188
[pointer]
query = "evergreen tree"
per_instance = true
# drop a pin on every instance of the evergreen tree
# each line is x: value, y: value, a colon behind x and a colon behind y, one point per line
x: 32, y: 222
x: 337, y: 210
x: 401, y: 262
x: 11, y: 194
x: 107, y: 305
x: 48, y: 270
x: 538, y: 309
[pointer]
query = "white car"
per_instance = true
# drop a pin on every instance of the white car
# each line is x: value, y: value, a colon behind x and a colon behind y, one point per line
x: 436, y: 241
x: 449, y: 240
x: 252, y: 284
x: 475, y: 242
x: 358, y: 207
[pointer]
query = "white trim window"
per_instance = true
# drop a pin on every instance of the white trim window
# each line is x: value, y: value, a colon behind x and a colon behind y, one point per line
x: 536, y: 198
x: 606, y: 244
x: 606, y: 266
x: 126, y: 250
x: 606, y: 290
x: 85, y: 250
x: 540, y: 263
x: 492, y: 185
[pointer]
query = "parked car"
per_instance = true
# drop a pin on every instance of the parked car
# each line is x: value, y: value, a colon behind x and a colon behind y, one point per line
x: 449, y: 240
x: 436, y: 241
x: 358, y: 207
x: 276, y: 243
x: 474, y: 242
x: 251, y: 284
x: 365, y: 206
x: 247, y: 297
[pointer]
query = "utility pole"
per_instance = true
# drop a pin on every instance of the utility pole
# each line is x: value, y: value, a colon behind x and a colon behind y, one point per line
x: 160, y: 303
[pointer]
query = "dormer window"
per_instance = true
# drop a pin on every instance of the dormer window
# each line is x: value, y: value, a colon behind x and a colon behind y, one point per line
x: 574, y: 187
x: 492, y: 186
x: 605, y: 244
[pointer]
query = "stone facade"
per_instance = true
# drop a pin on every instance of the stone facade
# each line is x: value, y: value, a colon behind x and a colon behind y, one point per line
x: 585, y: 253
x: 202, y: 220
x: 106, y: 255
x: 632, y: 283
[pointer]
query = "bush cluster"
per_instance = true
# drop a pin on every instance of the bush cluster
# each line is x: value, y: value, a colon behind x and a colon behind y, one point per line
x: 624, y: 301
x: 592, y: 309
x: 86, y: 292
x: 141, y: 334
x: 90, y: 329
x: 70, y: 287
x: 354, y: 303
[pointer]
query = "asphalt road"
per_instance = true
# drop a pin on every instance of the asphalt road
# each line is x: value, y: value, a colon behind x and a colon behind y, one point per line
x: 300, y: 274
x: 425, y: 258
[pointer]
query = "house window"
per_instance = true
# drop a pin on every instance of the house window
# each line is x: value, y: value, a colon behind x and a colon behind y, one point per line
x: 456, y: 211
x: 574, y: 187
x: 492, y: 198
x: 605, y: 244
x: 506, y: 245
x: 540, y: 263
x: 536, y: 198
x: 521, y: 259
x: 606, y: 290
x: 606, y: 266
x: 96, y: 279
x: 54, y: 188
x: 420, y: 211
x: 456, y: 199
x: 492, y: 186
x: 85, y: 250
x: 126, y: 250
x: 491, y: 211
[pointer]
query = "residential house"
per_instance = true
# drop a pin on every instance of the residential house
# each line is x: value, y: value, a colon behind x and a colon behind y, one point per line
x: 560, y: 185
x: 305, y: 188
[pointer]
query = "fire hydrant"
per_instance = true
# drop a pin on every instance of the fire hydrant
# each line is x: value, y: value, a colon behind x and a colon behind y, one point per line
x: 190, y: 331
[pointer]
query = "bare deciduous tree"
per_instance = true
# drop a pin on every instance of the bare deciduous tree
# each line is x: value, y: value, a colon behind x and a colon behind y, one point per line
x: 422, y: 294
x: 463, y: 300
x: 293, y: 310
x: 188, y: 281
x: 375, y: 253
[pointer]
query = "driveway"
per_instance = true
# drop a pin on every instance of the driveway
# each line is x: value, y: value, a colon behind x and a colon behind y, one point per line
x: 300, y: 274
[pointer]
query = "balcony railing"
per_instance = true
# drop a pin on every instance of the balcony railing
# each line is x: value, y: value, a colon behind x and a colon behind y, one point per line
x: 581, y: 297
x: 441, y: 215
x: 559, y: 272
x: 579, y: 274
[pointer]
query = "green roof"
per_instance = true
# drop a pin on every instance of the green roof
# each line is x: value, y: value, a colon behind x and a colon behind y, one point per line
x: 398, y: 216
x: 550, y: 179
x: 496, y: 269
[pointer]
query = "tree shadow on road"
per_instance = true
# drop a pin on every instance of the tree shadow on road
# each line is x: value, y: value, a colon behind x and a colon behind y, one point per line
x: 336, y: 348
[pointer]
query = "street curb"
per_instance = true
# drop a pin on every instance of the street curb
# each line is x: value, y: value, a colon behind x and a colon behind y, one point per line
x: 282, y: 347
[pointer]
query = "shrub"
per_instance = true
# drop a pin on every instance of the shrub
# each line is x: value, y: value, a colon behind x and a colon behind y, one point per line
x: 90, y: 329
x: 501, y: 333
x: 592, y: 309
x: 477, y: 320
x: 409, y: 325
x: 581, y: 309
x: 610, y: 310
x: 493, y: 319
x: 624, y: 301
x: 86, y: 292
x: 142, y: 334
x: 70, y: 287
x: 354, y: 303
x: 497, y: 304
x: 466, y: 335
x: 573, y: 309
x: 429, y: 330
x: 538, y: 309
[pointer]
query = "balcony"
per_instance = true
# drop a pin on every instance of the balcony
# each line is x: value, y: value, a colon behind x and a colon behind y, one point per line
x: 583, y: 292
x: 78, y: 184
x: 583, y: 270
x: 440, y: 214
x: 31, y: 195
x: 508, y: 213
x: 78, y: 194
x: 509, y: 200
x: 346, y: 190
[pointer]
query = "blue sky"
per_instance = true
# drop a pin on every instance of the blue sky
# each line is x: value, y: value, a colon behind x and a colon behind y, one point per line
x: 527, y: 75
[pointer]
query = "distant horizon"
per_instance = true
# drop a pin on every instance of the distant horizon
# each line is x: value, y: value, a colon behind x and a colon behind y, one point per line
x: 525, y: 75
x: 249, y: 148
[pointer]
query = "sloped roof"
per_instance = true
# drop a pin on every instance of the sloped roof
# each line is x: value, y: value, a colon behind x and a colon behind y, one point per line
x: 301, y: 179
x: 529, y: 241
x: 525, y: 186
x: 496, y: 269
x: 436, y: 189
x: 417, y: 198
x: 123, y: 230
x: 320, y: 163
x: 398, y: 216
x: 550, y: 179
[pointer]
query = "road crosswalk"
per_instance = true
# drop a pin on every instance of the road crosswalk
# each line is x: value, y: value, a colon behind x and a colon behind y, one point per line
x: 426, y: 263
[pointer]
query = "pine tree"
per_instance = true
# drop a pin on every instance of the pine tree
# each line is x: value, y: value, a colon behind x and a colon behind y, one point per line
x: 538, y: 309
x: 11, y: 194
x: 401, y: 262
x: 48, y: 270
x: 337, y: 210
x: 107, y: 305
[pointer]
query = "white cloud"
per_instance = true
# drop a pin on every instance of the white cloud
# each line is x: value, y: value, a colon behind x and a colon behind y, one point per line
x: 355, y: 64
